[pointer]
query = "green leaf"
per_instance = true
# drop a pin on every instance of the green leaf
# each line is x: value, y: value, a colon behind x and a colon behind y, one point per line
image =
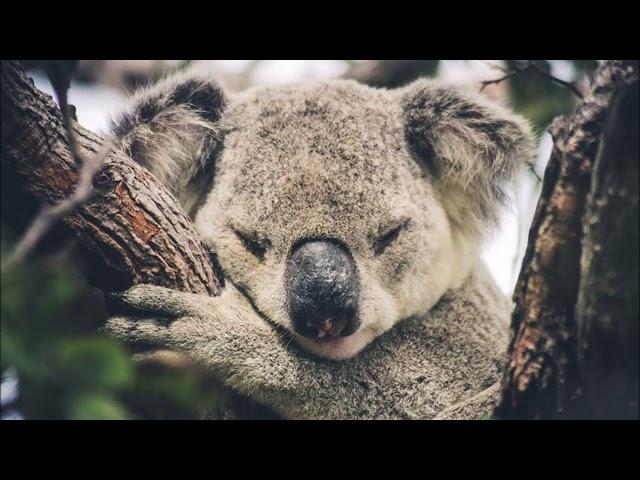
x: 94, y: 406
x: 96, y: 362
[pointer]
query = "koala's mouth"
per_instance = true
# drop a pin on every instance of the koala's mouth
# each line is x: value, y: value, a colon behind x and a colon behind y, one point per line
x: 327, y: 329
x: 335, y: 348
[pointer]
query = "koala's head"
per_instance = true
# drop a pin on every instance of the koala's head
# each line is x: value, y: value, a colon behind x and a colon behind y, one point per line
x: 341, y: 209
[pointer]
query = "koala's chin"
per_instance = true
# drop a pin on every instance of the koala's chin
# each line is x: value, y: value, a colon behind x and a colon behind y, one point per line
x: 336, y: 348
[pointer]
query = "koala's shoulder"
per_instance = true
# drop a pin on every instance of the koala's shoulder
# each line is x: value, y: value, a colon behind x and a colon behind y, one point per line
x: 478, y: 303
x: 475, y: 319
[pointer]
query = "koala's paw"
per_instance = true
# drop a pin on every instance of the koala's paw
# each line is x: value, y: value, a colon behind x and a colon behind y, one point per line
x: 144, y: 313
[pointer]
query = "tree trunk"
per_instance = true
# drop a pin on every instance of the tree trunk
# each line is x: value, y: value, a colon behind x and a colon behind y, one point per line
x: 544, y: 378
x: 607, y: 308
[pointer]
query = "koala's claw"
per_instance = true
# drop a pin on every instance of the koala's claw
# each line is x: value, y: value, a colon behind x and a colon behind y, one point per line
x: 137, y: 331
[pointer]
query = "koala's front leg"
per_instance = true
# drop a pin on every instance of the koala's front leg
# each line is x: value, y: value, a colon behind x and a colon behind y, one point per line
x: 227, y: 336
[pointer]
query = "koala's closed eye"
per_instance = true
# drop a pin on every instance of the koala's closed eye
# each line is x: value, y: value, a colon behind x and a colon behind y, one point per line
x: 257, y: 246
x: 388, y: 237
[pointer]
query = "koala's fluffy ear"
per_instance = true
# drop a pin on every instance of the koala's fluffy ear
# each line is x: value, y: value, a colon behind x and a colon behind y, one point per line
x: 473, y: 147
x: 173, y: 129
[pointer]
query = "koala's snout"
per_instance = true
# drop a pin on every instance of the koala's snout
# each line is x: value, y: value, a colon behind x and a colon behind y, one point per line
x: 322, y: 290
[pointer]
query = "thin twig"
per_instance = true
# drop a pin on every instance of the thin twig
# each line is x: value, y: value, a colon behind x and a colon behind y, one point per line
x: 530, y: 66
x: 532, y: 169
x: 51, y: 214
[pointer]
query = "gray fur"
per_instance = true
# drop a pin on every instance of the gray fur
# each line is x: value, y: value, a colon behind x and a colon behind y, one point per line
x: 342, y: 160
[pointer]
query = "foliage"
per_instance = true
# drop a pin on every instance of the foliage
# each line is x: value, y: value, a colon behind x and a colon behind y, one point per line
x: 66, y: 368
x: 539, y: 99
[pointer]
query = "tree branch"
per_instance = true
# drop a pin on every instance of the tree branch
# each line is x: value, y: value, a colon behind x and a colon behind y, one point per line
x: 133, y: 227
x: 60, y: 73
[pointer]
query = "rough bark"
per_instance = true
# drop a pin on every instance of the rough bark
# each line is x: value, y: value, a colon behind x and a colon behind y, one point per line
x: 542, y: 378
x: 607, y: 307
x: 132, y: 226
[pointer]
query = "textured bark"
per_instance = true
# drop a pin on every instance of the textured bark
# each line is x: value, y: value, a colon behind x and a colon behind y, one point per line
x: 607, y: 308
x: 542, y: 378
x: 133, y: 228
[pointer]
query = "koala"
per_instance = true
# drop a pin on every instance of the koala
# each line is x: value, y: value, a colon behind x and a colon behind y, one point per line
x: 347, y: 222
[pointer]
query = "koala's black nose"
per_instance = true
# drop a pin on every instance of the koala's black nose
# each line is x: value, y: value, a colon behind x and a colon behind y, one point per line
x: 322, y: 290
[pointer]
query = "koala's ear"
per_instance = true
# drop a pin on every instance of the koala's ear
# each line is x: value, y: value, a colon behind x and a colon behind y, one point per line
x: 172, y: 128
x: 472, y: 147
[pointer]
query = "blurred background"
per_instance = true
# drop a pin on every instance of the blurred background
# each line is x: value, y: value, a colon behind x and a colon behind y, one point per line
x: 56, y: 365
